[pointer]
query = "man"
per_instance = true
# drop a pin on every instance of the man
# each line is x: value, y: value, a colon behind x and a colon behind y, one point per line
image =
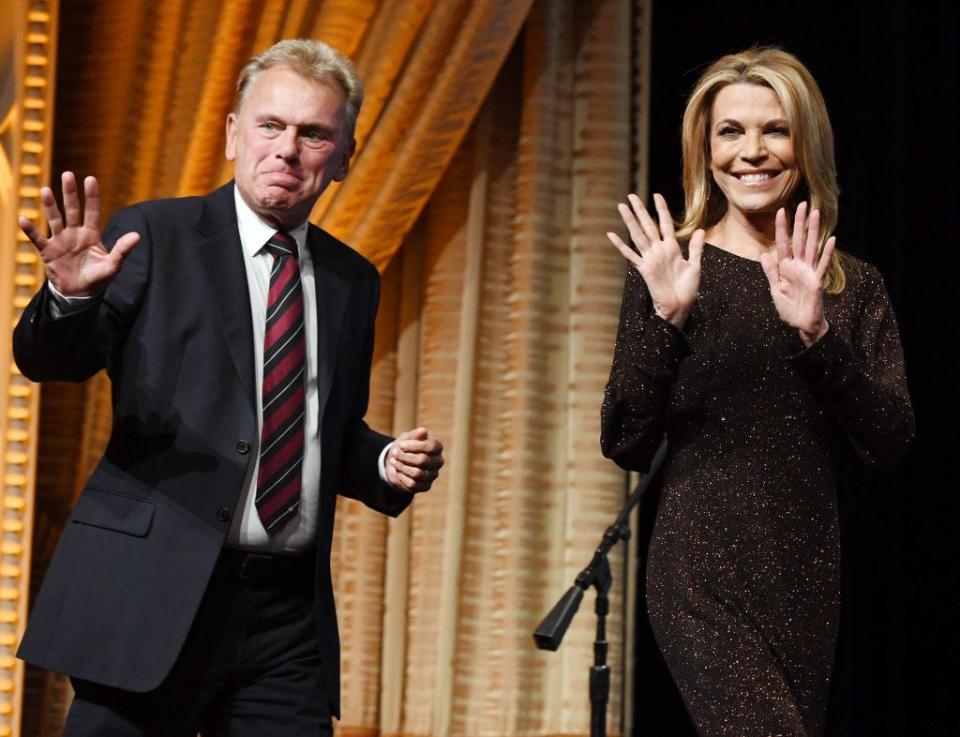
x: 191, y: 588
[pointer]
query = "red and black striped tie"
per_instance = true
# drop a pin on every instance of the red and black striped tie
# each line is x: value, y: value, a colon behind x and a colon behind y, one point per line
x: 284, y: 362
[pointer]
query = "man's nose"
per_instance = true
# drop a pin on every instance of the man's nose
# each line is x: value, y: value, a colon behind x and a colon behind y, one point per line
x: 288, y: 144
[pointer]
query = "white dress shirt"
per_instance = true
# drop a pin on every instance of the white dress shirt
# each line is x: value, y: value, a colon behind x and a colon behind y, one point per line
x: 247, y: 532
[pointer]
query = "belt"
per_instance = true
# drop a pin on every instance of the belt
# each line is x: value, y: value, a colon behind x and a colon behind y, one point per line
x: 265, y: 569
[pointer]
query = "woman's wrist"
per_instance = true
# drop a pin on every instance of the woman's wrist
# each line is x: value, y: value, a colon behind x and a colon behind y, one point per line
x: 676, y: 317
x: 809, y: 337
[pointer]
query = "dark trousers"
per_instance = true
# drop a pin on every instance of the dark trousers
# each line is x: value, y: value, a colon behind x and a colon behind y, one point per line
x: 250, y: 666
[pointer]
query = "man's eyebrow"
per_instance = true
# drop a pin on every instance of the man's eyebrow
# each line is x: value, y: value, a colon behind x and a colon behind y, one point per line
x: 321, y: 127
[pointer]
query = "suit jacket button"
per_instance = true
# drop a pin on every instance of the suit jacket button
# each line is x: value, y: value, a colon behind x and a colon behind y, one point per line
x: 243, y: 447
x: 223, y: 514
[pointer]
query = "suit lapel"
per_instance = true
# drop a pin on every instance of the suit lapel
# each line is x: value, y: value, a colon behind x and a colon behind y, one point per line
x: 332, y: 296
x: 222, y: 258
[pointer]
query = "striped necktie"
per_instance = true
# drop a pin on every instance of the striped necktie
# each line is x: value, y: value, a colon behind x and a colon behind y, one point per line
x: 284, y: 362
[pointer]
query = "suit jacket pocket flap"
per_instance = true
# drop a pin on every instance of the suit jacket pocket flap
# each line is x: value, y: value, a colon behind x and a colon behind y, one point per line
x: 111, y: 511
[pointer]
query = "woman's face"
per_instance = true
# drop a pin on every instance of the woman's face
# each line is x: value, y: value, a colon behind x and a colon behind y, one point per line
x: 751, y: 149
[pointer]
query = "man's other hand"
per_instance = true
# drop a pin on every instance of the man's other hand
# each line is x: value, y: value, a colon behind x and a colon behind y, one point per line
x: 414, y: 460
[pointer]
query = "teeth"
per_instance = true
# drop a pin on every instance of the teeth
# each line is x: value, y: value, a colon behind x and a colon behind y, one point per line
x: 754, y: 178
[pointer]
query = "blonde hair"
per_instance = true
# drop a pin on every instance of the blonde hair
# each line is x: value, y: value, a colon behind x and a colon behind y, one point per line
x: 312, y: 60
x: 810, y: 130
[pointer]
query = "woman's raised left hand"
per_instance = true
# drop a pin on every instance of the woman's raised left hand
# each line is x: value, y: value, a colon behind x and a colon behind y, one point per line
x: 797, y: 272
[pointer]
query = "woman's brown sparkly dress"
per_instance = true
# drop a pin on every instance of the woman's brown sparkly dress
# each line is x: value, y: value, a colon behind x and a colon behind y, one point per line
x: 743, y: 569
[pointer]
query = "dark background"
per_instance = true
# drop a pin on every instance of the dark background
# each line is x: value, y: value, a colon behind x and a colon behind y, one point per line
x: 889, y: 73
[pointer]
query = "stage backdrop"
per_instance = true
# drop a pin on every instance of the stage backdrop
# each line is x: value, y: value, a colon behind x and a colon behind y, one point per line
x: 495, y: 139
x: 28, y: 44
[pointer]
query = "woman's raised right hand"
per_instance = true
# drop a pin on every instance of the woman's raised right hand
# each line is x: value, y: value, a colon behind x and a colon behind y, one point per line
x: 671, y: 279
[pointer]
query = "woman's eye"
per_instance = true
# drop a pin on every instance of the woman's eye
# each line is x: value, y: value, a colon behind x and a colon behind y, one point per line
x: 728, y: 131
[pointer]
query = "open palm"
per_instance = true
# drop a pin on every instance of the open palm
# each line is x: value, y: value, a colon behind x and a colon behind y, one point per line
x: 74, y: 257
x: 671, y: 279
x: 797, y: 272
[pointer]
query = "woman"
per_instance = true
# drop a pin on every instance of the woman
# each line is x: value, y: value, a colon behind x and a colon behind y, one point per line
x: 762, y: 355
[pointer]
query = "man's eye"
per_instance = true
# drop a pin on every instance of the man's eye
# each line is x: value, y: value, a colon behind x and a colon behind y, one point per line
x: 270, y: 126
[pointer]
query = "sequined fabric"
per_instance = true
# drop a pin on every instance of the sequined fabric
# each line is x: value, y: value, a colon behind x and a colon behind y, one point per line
x: 743, y: 569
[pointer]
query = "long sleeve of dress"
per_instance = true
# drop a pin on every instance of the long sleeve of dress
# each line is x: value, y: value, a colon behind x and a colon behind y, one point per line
x: 646, y: 360
x: 859, y: 373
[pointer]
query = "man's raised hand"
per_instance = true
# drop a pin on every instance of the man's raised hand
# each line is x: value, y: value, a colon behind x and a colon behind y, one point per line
x: 74, y: 257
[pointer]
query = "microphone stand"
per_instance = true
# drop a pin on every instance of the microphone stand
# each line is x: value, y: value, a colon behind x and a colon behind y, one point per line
x: 549, y: 634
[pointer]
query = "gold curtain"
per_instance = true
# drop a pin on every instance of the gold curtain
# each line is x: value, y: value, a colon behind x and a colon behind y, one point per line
x: 28, y: 43
x: 496, y: 332
x: 482, y: 187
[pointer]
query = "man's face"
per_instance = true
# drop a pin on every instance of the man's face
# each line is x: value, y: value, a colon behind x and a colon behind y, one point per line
x: 288, y: 143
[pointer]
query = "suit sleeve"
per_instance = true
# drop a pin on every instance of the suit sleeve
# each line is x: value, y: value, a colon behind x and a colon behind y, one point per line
x: 362, y: 446
x: 75, y: 346
x: 646, y: 361
x: 862, y: 378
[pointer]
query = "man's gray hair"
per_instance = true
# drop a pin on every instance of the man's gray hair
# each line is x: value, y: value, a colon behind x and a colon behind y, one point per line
x: 313, y: 60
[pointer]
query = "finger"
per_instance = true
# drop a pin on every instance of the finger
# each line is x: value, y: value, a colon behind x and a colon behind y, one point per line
x: 646, y: 222
x: 781, y: 238
x: 400, y: 480
x: 813, y: 237
x: 417, y: 473
x: 418, y: 440
x: 410, y: 484
x: 91, y: 197
x: 663, y: 215
x: 71, y: 199
x: 430, y: 446
x: 50, y: 211
x: 628, y: 253
x: 633, y: 226
x: 799, y: 221
x: 420, y: 460
x: 30, y: 230
x: 826, y: 257
x: 696, y: 247
x: 771, y: 268
x: 418, y: 433
x: 122, y: 247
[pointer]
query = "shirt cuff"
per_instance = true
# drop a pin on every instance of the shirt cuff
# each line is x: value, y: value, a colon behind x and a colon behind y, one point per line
x: 61, y: 305
x: 382, y: 463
